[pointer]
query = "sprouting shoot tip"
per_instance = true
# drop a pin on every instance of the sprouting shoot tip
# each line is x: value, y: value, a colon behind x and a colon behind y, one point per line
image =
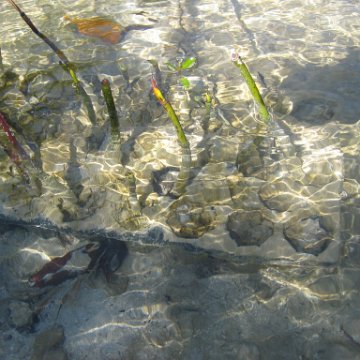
x: 153, y: 82
x: 235, y: 56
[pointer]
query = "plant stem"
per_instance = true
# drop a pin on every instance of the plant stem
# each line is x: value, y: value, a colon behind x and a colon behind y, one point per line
x: 263, y: 111
x: 109, y: 100
x: 184, y: 174
x: 85, y: 98
x: 64, y: 62
x: 1, y: 62
x: 63, y: 59
x: 171, y: 113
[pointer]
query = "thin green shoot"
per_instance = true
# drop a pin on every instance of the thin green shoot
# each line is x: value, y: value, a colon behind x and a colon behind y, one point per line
x: 183, y: 64
x: 171, y: 113
x: 263, y: 111
x: 109, y: 100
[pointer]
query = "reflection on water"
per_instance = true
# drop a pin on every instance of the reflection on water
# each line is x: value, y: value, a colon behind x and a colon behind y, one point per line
x: 251, y: 251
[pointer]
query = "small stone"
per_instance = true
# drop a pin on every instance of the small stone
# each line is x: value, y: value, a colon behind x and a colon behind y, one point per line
x: 211, y: 191
x: 308, y: 236
x: 280, y: 195
x: 47, y: 340
x: 325, y: 286
x: 343, y: 195
x: 299, y: 307
x: 351, y: 187
x: 248, y: 352
x: 249, y: 228
x: 20, y: 314
x: 163, y: 180
x: 161, y: 332
x: 33, y: 100
x: 331, y: 351
x: 250, y: 163
x: 189, y: 220
x: 222, y: 150
x: 352, y: 328
x: 314, y: 110
x: 55, y: 354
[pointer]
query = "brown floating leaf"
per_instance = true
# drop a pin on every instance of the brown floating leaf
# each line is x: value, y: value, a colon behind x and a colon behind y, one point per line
x: 103, y: 29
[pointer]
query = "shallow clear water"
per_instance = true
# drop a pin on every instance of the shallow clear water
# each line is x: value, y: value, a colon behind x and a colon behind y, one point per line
x: 257, y: 255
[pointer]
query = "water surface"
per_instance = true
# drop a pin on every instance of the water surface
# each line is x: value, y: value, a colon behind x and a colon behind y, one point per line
x: 257, y: 256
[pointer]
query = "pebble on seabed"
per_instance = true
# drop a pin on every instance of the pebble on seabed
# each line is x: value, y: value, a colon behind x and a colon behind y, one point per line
x: 48, y: 343
x: 20, y: 314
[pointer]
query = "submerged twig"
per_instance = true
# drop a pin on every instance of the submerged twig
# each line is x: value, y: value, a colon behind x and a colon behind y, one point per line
x: 171, y: 113
x: 64, y: 62
x: 263, y: 111
x: 109, y: 100
x: 63, y: 59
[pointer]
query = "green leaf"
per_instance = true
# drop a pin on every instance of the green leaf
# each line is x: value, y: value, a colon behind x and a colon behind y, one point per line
x: 171, y: 66
x: 188, y: 63
x: 207, y: 98
x: 185, y: 82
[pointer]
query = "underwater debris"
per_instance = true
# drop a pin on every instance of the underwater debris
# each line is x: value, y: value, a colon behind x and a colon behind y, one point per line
x: 20, y: 152
x: 104, y: 29
x: 106, y: 255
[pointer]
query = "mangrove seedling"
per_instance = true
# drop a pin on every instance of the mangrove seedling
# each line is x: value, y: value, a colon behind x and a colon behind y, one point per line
x: 64, y: 62
x: 183, y: 64
x: 171, y: 113
x: 63, y: 59
x: 13, y: 149
x: 263, y: 111
x: 109, y: 100
x: 184, y: 174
